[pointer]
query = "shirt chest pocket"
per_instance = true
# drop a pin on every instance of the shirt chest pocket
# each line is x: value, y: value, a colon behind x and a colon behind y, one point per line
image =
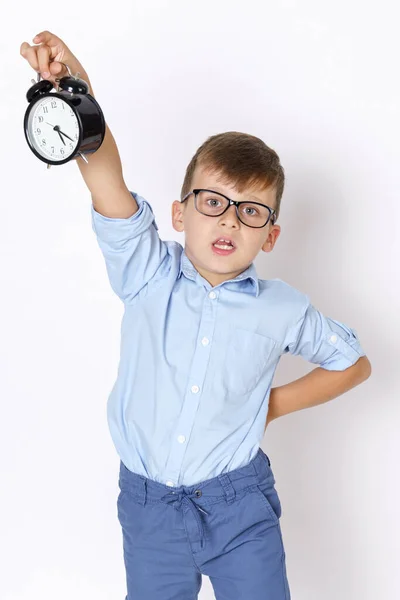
x: 246, y: 359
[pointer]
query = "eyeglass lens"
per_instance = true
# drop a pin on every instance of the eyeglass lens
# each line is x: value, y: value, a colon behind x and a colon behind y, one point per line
x: 213, y: 204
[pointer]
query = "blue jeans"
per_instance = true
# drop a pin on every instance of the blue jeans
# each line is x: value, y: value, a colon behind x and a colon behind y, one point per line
x: 226, y: 528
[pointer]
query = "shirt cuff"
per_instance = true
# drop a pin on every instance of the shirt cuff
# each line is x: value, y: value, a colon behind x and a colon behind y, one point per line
x: 345, y: 341
x: 112, y: 229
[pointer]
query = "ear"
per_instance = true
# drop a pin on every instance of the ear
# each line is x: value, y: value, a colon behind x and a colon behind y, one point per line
x: 177, y: 214
x: 273, y: 235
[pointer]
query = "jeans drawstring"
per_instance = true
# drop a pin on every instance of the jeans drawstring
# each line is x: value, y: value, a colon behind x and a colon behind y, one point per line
x: 176, y: 498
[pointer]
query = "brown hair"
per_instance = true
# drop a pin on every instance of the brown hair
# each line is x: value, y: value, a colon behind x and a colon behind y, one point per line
x: 241, y: 158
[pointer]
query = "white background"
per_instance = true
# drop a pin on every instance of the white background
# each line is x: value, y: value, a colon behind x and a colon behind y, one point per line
x: 318, y: 82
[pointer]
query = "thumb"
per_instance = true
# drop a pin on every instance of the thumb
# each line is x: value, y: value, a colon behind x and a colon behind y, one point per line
x: 57, y: 71
x: 57, y: 68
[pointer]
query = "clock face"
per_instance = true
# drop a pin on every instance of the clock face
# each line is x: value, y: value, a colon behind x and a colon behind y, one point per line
x: 53, y: 128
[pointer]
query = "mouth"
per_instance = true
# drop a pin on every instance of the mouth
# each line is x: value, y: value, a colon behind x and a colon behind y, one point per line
x: 223, y: 246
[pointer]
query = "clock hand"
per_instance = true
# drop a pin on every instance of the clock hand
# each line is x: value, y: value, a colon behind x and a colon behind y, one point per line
x: 62, y: 139
x: 57, y: 128
x: 66, y: 135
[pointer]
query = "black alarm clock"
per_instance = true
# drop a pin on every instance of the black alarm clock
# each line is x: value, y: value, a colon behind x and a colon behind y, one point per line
x: 61, y: 125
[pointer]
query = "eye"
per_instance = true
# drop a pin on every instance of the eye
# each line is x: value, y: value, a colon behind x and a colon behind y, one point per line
x: 210, y: 200
x: 246, y: 209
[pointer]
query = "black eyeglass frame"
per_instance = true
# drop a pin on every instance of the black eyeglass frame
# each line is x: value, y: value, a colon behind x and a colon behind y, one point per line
x: 272, y: 211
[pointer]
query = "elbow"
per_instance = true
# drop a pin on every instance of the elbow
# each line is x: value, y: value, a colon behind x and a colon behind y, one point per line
x: 364, y: 364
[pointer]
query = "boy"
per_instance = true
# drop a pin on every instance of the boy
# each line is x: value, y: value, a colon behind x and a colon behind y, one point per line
x: 201, y: 338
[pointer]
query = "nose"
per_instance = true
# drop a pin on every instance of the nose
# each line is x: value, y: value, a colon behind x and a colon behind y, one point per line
x: 230, y: 216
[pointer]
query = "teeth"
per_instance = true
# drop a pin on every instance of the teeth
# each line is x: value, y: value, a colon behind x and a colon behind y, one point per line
x: 223, y: 247
x: 223, y: 241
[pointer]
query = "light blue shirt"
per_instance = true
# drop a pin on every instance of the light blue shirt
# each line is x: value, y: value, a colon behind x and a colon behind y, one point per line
x: 196, y: 365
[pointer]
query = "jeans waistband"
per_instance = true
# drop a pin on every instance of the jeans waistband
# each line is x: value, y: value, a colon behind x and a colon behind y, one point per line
x: 211, y: 489
x: 197, y: 496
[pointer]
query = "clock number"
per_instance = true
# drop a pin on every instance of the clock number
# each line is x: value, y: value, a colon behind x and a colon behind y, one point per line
x: 45, y: 109
x: 76, y: 136
x: 71, y: 145
x: 44, y: 142
x: 38, y: 131
x: 40, y: 119
x: 52, y: 149
x: 61, y: 150
x: 53, y: 104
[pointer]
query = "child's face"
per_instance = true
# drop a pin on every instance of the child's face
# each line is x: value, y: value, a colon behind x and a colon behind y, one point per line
x: 201, y: 230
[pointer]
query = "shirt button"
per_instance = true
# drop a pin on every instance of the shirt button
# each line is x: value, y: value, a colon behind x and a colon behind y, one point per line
x: 333, y: 338
x: 212, y: 295
x: 170, y: 483
x: 205, y: 341
x: 181, y: 439
x: 195, y: 389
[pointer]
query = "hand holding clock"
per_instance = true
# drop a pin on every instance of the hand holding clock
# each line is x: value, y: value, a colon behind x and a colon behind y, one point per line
x: 74, y: 109
x: 50, y: 56
x: 71, y: 107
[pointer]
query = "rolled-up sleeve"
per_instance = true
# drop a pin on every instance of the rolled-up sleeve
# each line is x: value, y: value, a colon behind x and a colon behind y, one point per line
x: 132, y: 248
x: 324, y: 341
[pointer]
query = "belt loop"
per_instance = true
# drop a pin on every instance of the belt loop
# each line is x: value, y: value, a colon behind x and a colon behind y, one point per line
x: 227, y: 487
x: 142, y: 490
x: 264, y: 456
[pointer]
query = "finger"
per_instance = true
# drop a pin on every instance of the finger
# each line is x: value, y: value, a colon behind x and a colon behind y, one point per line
x: 57, y: 69
x: 29, y: 53
x: 43, y: 53
x: 46, y: 37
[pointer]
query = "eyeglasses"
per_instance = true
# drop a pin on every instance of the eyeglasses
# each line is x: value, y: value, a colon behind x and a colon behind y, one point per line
x: 213, y: 204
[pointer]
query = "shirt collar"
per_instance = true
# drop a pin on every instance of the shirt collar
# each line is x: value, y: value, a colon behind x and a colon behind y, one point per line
x: 248, y: 280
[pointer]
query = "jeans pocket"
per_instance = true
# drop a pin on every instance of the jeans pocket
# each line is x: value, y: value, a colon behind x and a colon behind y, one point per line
x: 129, y: 511
x: 127, y: 499
x: 269, y: 499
